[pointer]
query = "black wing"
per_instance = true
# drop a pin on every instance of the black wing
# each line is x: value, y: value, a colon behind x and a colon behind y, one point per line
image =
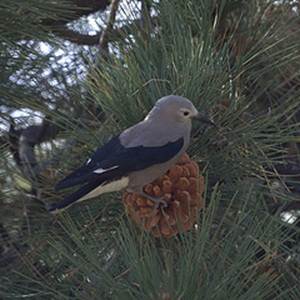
x: 119, y: 161
x: 83, y: 173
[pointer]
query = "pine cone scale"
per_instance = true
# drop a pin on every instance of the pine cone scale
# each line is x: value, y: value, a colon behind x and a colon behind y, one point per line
x: 182, y: 188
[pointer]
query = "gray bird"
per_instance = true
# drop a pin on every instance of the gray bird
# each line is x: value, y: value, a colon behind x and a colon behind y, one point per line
x: 136, y: 157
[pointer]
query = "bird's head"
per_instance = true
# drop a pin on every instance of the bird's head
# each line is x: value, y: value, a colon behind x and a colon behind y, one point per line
x: 177, y: 108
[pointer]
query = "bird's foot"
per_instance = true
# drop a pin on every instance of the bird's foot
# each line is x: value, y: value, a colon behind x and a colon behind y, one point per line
x: 157, y: 200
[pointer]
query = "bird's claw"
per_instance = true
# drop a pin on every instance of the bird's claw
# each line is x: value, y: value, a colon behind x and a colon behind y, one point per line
x: 159, y: 201
x: 156, y: 200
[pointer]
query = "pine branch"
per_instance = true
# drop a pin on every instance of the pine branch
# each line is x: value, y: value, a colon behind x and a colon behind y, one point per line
x: 115, y: 34
x: 103, y: 42
x: 22, y: 143
x: 80, y: 8
x: 76, y: 37
x: 87, y: 250
x: 146, y: 22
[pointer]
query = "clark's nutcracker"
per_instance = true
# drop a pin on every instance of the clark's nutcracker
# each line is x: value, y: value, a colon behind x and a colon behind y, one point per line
x: 137, y: 156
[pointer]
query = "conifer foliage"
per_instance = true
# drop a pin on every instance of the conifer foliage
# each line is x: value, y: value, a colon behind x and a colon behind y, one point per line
x: 76, y: 72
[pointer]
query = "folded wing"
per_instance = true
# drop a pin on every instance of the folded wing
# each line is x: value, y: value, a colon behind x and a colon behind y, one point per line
x: 86, y: 172
x: 111, y: 163
x: 114, y: 160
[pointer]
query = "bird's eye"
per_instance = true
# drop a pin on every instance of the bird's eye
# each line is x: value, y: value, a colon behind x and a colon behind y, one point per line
x: 186, y: 113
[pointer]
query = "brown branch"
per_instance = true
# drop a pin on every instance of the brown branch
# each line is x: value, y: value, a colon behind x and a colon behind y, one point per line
x: 93, y: 40
x: 145, y: 16
x: 103, y: 41
x: 282, y: 208
x: 29, y: 138
x: 80, y: 8
x: 22, y: 142
x: 76, y: 37
x: 83, y: 8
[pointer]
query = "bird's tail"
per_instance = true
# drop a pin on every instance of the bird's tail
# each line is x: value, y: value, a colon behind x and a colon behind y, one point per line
x: 73, y: 198
x: 79, y: 176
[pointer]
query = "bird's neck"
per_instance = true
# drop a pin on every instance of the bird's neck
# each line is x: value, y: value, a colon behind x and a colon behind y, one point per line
x: 153, y: 114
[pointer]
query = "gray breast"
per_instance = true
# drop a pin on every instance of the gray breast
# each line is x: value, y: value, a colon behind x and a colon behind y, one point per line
x: 139, y: 179
x: 152, y: 134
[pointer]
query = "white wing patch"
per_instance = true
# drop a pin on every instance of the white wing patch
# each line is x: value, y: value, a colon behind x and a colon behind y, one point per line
x: 113, y: 186
x: 100, y: 171
x: 88, y: 161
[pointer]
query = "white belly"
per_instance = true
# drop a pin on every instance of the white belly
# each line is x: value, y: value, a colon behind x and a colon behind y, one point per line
x: 113, y: 186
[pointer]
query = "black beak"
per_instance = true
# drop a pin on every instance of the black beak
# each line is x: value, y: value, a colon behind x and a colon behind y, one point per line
x: 205, y: 119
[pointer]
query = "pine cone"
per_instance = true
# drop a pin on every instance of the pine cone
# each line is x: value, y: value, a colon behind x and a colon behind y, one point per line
x: 182, y: 188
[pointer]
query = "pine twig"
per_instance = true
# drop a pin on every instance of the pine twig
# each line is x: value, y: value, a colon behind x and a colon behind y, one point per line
x: 103, y: 42
x: 146, y: 23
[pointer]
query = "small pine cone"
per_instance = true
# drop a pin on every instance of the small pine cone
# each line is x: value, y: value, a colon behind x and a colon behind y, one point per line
x: 182, y: 188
